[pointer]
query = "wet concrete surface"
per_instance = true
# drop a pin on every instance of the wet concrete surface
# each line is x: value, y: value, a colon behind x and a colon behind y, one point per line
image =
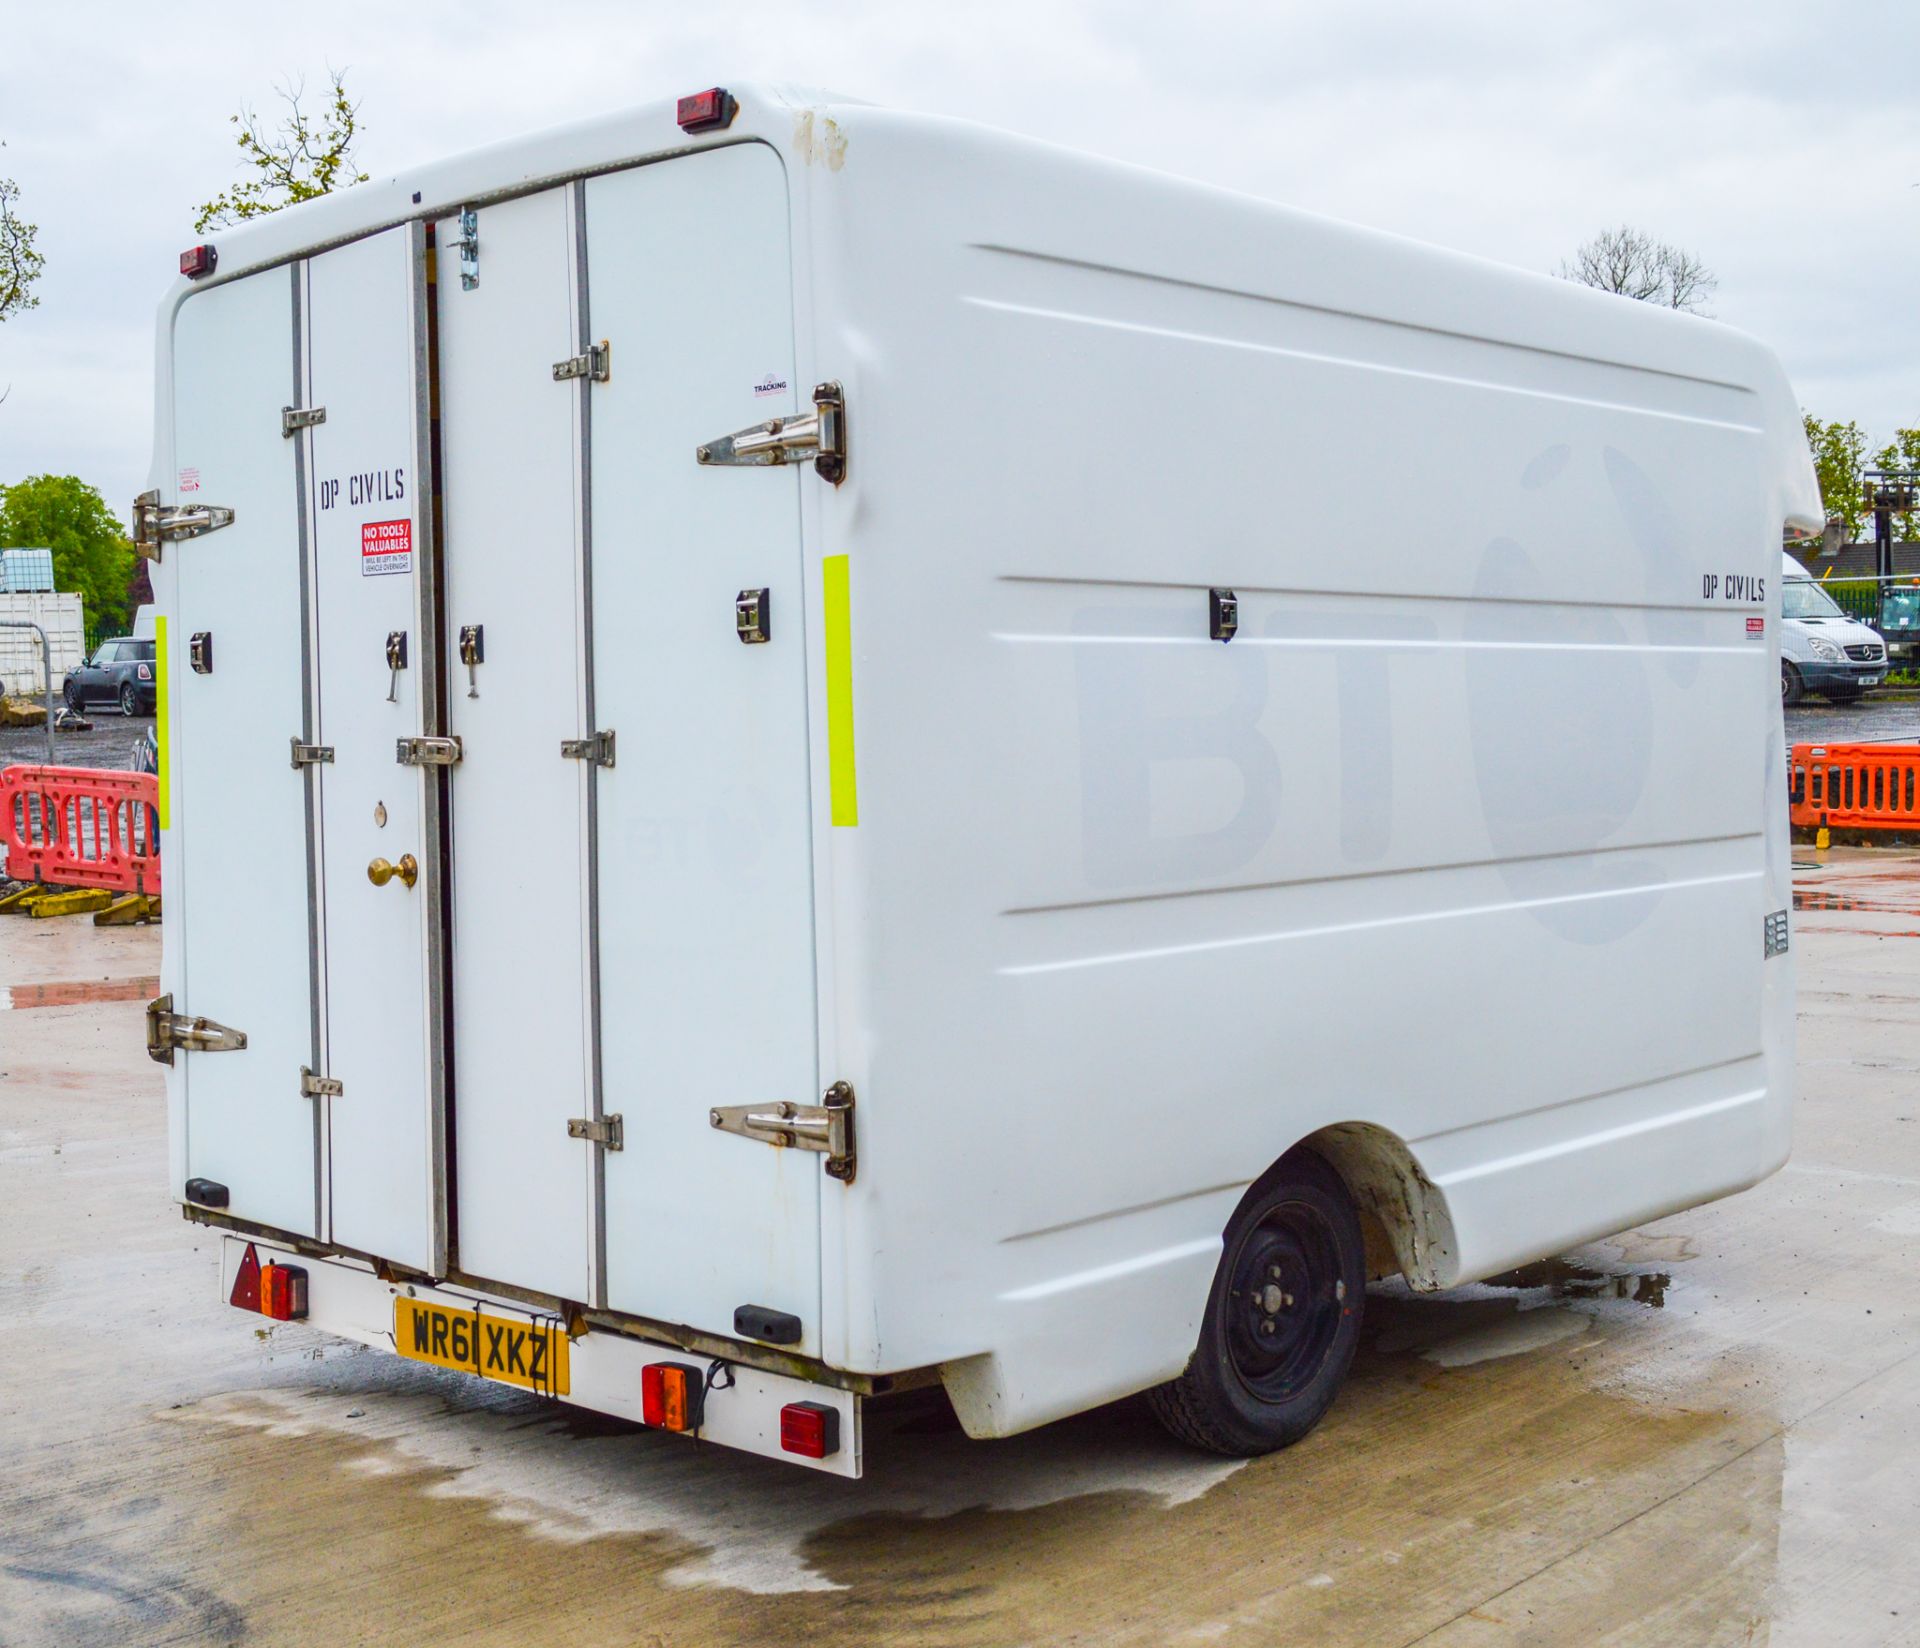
x: 1880, y: 717
x: 111, y: 744
x: 1706, y: 1431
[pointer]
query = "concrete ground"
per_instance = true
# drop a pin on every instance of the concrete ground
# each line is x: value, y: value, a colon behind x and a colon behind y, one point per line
x: 1702, y: 1432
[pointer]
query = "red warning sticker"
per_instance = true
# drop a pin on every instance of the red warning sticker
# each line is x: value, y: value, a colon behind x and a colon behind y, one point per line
x: 385, y: 546
x: 1756, y: 626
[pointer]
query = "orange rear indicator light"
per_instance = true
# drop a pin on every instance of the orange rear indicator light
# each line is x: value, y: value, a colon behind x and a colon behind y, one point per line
x: 275, y: 1290
x: 670, y: 1394
x: 283, y: 1292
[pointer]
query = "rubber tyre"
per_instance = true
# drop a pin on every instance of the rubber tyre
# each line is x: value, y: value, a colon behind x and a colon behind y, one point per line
x: 71, y: 693
x: 1242, y: 1394
x: 1791, y: 691
x: 129, y: 699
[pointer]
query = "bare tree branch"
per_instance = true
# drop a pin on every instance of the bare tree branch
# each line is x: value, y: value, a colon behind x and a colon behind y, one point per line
x: 298, y: 160
x: 20, y: 264
x: 1632, y: 263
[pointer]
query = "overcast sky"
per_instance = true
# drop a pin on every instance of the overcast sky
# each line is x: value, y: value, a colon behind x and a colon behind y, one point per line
x: 1777, y: 140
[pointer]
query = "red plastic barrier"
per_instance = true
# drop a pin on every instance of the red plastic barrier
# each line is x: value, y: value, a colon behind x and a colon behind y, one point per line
x: 77, y: 827
x: 1855, y: 786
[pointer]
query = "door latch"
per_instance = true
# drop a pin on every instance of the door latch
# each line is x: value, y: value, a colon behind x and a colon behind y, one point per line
x: 293, y: 419
x: 427, y: 752
x: 310, y: 755
x: 820, y: 435
x: 826, y: 1127
x: 156, y: 524
x: 396, y: 662
x: 319, y: 1087
x: 168, y: 1031
x: 598, y: 748
x: 596, y: 363
x: 610, y: 1133
x: 473, y: 653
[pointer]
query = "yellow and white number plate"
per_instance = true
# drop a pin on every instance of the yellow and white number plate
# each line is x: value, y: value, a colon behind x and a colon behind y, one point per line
x: 512, y: 1350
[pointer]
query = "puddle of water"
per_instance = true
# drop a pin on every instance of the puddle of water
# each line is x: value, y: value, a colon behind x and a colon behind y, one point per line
x: 1569, y: 1279
x: 749, y: 1519
x: 78, y: 992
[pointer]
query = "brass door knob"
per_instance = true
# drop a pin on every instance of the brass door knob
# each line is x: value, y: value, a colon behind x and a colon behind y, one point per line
x: 380, y: 872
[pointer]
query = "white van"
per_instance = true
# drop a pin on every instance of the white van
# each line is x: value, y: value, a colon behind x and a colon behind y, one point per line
x: 786, y: 777
x: 1822, y: 650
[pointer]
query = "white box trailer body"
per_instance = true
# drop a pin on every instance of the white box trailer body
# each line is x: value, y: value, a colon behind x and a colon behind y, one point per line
x: 1453, y: 863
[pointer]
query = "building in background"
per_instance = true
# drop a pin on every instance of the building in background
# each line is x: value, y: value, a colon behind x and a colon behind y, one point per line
x: 27, y: 596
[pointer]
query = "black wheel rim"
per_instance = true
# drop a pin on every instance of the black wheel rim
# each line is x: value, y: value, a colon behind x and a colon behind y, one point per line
x: 1284, y: 1302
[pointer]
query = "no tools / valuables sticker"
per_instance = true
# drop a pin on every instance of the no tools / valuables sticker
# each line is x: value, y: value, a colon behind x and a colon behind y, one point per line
x: 385, y: 546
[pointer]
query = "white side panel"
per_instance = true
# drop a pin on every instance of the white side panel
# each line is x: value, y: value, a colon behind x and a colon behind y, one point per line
x: 237, y: 913
x: 705, y: 855
x: 508, y: 444
x: 369, y: 536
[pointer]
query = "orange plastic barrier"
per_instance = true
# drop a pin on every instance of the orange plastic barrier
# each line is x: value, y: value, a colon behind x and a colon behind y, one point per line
x: 1855, y: 786
x: 77, y: 827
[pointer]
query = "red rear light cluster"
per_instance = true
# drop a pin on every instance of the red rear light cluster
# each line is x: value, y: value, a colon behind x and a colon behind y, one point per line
x: 275, y: 1290
x: 670, y: 1394
x: 810, y: 1429
x: 707, y: 111
x: 196, y: 261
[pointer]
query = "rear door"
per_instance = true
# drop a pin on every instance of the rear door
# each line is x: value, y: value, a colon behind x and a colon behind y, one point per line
x: 703, y: 845
x: 379, y: 870
x: 515, y: 576
x: 239, y: 911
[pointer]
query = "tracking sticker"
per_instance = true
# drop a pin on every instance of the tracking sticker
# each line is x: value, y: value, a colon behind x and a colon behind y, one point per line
x: 385, y: 546
x: 189, y: 480
x: 774, y: 383
x: 1756, y: 626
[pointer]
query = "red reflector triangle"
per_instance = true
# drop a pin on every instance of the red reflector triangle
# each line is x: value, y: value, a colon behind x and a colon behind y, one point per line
x: 246, y: 1285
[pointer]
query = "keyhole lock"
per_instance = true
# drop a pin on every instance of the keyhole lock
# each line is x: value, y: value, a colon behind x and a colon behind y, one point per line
x: 396, y: 662
x: 473, y: 653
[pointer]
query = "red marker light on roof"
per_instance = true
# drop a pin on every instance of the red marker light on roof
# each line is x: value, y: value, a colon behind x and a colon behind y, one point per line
x: 706, y: 111
x: 196, y: 261
x: 810, y: 1429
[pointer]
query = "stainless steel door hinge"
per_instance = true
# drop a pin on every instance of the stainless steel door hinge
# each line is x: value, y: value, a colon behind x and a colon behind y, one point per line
x: 293, y: 419
x: 598, y: 749
x: 168, y: 1030
x: 827, y: 1127
x: 821, y: 435
x: 468, y: 246
x: 596, y: 363
x: 318, y: 1087
x: 156, y: 524
x: 427, y: 752
x: 610, y: 1133
x: 310, y: 755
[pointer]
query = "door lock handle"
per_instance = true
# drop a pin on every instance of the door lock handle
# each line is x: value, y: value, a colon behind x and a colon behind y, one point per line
x: 380, y: 872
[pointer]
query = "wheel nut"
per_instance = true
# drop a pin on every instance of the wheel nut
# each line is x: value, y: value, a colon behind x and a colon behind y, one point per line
x: 1266, y: 1326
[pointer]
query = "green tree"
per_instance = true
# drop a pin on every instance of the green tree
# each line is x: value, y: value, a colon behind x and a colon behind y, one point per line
x: 20, y: 264
x: 90, y: 553
x: 1902, y: 452
x: 1839, y: 456
x: 303, y: 157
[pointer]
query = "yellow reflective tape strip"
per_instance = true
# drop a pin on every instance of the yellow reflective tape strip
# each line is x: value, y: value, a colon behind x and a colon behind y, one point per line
x: 160, y: 708
x: 846, y: 811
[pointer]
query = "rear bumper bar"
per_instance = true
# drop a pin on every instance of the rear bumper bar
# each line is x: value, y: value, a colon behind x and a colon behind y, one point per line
x: 345, y: 1298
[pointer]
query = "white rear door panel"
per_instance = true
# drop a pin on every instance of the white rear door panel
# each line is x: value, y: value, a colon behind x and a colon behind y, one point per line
x: 704, y: 846
x: 510, y: 461
x: 370, y: 539
x: 238, y: 906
